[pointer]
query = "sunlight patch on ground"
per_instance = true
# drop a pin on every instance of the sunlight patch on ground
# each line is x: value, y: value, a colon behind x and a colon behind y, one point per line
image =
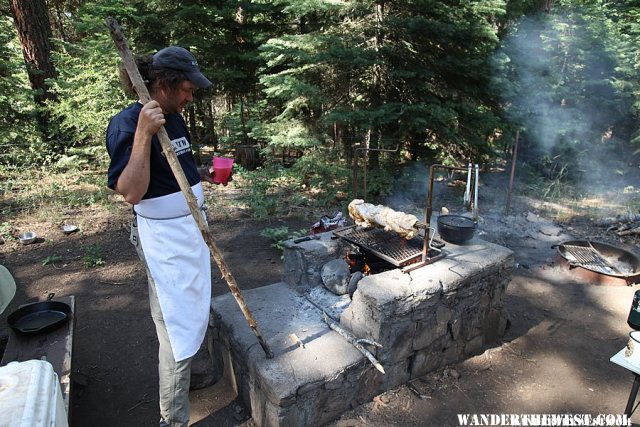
x: 592, y: 206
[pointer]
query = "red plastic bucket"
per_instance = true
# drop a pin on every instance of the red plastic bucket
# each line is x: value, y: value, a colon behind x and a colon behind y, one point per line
x: 222, y: 167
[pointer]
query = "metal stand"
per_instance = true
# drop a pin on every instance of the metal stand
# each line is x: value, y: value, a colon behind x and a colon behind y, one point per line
x: 620, y: 360
x: 632, y: 396
x: 429, y: 209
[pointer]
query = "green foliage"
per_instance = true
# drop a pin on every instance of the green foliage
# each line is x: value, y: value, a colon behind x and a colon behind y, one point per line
x: 564, y: 81
x: 379, y: 183
x: 288, y: 134
x: 322, y: 77
x: 88, y: 87
x: 315, y: 180
x: 51, y: 259
x: 20, y: 142
x: 41, y: 192
x: 267, y: 190
x: 5, y: 230
x: 323, y: 175
x: 404, y: 71
x: 93, y: 256
x: 240, y: 124
x: 281, y: 234
x: 554, y: 188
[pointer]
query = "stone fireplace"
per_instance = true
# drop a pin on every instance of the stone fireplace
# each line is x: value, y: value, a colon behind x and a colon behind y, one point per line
x: 433, y: 316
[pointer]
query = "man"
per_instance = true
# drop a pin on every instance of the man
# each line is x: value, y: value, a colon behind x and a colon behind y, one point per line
x: 163, y: 231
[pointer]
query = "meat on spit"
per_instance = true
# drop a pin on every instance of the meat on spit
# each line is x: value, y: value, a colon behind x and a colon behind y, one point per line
x: 368, y: 215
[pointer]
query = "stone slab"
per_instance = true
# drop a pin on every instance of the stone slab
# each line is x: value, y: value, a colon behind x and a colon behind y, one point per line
x: 329, y: 302
x: 294, y: 371
x: 461, y: 264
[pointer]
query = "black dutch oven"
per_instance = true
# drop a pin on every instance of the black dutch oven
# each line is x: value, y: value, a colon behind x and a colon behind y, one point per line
x: 39, y: 317
x: 456, y: 229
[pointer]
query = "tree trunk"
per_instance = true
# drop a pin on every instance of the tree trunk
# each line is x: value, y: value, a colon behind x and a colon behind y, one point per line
x: 57, y: 19
x: 245, y: 137
x: 31, y: 20
x: 193, y: 130
x: 376, y: 98
x: 214, y: 133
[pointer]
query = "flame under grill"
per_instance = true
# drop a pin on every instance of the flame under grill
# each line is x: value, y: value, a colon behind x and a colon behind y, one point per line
x: 388, y: 246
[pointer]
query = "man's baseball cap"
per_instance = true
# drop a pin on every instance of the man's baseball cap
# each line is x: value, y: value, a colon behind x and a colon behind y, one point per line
x: 179, y: 58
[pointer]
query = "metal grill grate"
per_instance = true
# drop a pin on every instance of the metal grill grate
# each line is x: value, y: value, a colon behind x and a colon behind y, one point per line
x: 589, y: 257
x: 386, y: 245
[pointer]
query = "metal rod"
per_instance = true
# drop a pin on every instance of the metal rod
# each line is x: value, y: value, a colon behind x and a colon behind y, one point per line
x: 429, y: 209
x: 604, y: 260
x: 467, y: 190
x: 365, y: 160
x: 632, y: 396
x: 475, y: 194
x: 354, y: 166
x: 176, y: 168
x: 513, y: 170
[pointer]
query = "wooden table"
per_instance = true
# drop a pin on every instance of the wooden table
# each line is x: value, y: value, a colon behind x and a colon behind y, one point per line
x: 55, y: 347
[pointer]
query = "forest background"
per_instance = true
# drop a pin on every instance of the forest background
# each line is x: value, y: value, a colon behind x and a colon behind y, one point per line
x: 302, y: 88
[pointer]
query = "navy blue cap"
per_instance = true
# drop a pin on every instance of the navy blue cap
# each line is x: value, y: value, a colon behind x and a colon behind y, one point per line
x: 179, y: 58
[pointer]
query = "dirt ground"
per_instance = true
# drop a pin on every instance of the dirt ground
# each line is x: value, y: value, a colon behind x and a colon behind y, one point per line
x: 554, y: 358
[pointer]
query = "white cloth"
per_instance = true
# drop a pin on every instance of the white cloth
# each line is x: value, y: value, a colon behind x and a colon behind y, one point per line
x: 179, y: 263
x: 169, y: 206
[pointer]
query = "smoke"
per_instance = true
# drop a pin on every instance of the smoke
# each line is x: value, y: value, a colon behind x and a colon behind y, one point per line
x: 554, y: 76
x: 410, y: 190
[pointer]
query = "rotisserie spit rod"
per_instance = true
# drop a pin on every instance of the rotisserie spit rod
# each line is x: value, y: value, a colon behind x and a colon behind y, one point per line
x: 368, y: 215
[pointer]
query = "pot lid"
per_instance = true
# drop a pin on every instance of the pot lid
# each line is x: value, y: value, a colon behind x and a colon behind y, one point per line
x: 456, y: 221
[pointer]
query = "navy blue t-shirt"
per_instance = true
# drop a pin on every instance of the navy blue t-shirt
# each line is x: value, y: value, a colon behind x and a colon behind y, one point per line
x: 120, y: 133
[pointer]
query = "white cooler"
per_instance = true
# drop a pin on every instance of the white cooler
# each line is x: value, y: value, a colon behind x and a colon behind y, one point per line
x: 30, y: 396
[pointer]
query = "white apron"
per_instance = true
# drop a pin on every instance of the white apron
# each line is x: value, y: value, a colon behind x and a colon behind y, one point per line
x: 179, y: 262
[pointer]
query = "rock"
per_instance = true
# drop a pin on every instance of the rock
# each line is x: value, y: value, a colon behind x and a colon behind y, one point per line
x: 531, y: 217
x: 532, y: 234
x: 335, y: 276
x: 327, y: 301
x: 550, y: 230
x: 353, y: 282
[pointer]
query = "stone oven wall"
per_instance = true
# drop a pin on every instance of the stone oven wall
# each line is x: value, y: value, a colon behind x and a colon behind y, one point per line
x: 433, y: 316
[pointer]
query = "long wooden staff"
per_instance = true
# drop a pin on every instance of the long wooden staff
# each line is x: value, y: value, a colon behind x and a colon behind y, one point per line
x: 172, y: 158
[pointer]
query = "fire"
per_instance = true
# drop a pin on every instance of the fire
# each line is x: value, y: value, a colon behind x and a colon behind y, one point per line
x: 357, y: 262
